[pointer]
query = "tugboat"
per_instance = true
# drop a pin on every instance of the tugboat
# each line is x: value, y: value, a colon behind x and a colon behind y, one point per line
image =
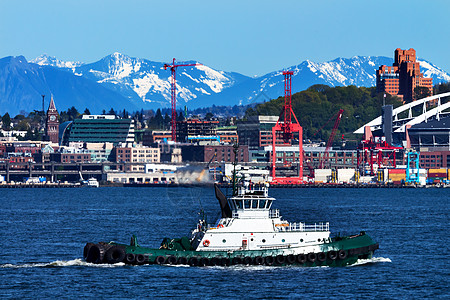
x: 249, y: 232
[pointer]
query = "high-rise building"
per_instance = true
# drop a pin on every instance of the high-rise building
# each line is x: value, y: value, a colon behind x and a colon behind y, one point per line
x: 52, y: 123
x: 403, y: 76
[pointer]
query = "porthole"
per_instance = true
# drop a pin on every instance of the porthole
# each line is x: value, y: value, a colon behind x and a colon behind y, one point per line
x: 224, y: 241
x: 282, y: 240
x: 318, y: 240
x: 251, y: 239
x: 263, y: 240
x: 301, y: 240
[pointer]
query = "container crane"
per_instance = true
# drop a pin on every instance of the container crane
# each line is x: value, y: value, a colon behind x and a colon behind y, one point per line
x: 287, y: 127
x: 173, y: 67
x: 324, y: 158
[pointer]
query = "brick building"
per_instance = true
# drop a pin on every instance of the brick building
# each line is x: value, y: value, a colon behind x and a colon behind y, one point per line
x: 403, y: 76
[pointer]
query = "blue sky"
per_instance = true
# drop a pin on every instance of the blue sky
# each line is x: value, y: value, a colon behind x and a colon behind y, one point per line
x: 249, y: 37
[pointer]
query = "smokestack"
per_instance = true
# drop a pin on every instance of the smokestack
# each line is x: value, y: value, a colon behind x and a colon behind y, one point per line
x: 386, y: 118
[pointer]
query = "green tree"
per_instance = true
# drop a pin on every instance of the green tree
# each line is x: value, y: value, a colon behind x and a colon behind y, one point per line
x: 421, y: 92
x: 86, y: 111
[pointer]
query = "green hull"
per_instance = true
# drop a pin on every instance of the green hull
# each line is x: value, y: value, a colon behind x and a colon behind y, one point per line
x: 340, y: 251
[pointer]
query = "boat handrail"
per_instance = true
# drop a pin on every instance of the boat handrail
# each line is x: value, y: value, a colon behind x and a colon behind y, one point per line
x: 303, y: 227
x: 274, y: 213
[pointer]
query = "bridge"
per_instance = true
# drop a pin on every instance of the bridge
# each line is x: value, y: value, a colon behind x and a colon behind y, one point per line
x: 399, y: 124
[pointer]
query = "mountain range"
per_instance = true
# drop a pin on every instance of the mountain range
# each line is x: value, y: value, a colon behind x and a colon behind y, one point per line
x: 122, y: 82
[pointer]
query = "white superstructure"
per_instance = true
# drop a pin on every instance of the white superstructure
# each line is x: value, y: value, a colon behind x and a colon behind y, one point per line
x: 249, y: 223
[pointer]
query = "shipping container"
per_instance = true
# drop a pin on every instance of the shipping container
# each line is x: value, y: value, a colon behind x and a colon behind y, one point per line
x: 397, y: 171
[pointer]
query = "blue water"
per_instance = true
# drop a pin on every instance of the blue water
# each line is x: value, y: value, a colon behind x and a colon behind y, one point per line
x: 43, y: 232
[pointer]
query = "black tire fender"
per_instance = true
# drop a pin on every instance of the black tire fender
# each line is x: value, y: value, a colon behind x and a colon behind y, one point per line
x: 140, y: 259
x: 259, y: 260
x: 247, y: 260
x: 86, y: 249
x: 236, y: 261
x: 312, y: 257
x: 96, y: 254
x: 193, y: 261
x: 280, y: 259
x: 115, y: 254
x: 321, y: 256
x: 182, y: 261
x: 301, y: 258
x: 342, y: 254
x: 160, y: 260
x: 332, y: 255
x: 130, y: 258
x: 290, y: 259
x: 269, y: 260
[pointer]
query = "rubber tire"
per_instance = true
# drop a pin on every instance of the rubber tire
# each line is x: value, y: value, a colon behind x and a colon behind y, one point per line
x: 312, y: 257
x: 332, y: 255
x: 182, y: 261
x: 258, y: 260
x: 96, y: 254
x: 236, y: 261
x: 301, y: 258
x: 225, y: 261
x: 280, y: 259
x: 86, y: 249
x: 321, y: 257
x: 204, y: 261
x: 215, y: 261
x: 247, y: 260
x: 160, y: 260
x: 290, y: 259
x: 115, y: 254
x: 140, y: 259
x: 193, y: 261
x: 130, y: 258
x: 342, y: 254
x: 269, y: 260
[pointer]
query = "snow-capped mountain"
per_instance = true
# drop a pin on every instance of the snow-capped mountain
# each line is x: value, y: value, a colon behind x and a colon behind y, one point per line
x: 146, y: 81
x: 120, y: 81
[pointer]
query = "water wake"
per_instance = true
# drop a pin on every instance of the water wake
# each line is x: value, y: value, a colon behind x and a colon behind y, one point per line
x: 60, y: 263
x: 373, y: 260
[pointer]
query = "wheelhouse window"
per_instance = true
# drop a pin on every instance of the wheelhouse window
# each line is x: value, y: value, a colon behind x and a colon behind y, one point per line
x: 262, y: 203
x: 269, y: 203
x: 247, y: 204
x: 238, y: 204
x: 255, y: 204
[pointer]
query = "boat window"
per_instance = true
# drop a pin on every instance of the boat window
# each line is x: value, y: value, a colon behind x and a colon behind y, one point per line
x: 238, y: 204
x: 247, y: 204
x: 255, y: 204
x: 262, y: 203
x: 269, y: 203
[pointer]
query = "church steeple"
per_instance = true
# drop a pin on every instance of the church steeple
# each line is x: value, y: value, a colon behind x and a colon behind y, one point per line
x: 52, y: 123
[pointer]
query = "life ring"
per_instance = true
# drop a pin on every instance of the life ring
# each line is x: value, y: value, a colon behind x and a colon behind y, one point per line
x: 206, y: 243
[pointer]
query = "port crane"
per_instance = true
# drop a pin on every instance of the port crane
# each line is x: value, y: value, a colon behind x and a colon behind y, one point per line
x: 173, y: 67
x: 324, y: 158
x: 287, y: 127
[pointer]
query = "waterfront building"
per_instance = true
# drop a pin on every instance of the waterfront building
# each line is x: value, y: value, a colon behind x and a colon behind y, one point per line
x: 100, y: 129
x: 256, y: 131
x: 136, y: 154
x: 403, y: 76
x: 156, y: 136
x: 213, y: 153
x: 52, y: 123
x: 228, y: 134
x: 189, y: 128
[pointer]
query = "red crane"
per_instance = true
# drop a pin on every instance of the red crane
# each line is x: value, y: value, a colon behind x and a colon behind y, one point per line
x: 173, y: 67
x: 288, y: 128
x: 324, y: 158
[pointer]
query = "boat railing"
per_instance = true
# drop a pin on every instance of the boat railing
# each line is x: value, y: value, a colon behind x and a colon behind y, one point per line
x: 274, y: 213
x: 303, y: 227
